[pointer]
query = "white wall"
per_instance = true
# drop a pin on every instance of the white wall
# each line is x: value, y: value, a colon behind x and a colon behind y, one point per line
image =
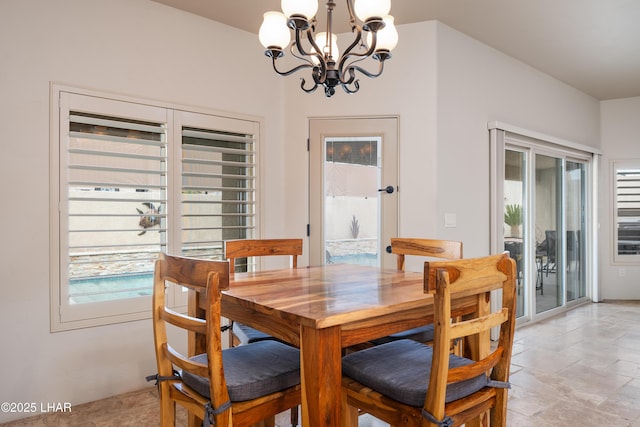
x: 444, y: 86
x: 620, y: 141
x: 134, y: 47
x: 477, y: 85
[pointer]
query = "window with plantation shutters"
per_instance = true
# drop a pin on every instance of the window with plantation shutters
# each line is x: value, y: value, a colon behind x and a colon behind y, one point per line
x: 218, y: 190
x: 627, y: 211
x: 131, y: 179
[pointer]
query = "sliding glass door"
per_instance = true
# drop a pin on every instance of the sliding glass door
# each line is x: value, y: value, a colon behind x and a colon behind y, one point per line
x: 515, y: 206
x: 576, y: 225
x: 543, y: 215
x: 548, y: 215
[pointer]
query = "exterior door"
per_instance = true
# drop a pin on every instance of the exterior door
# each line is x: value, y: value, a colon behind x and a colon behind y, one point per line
x: 353, y: 190
x: 543, y: 210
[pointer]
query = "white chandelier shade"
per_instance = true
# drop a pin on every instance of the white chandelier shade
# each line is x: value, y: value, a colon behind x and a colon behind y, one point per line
x: 366, y: 9
x: 274, y: 31
x: 306, y: 8
x: 387, y: 36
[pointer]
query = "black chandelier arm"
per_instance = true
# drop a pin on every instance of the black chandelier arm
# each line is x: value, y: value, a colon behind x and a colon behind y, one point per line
x: 291, y: 71
x: 320, y: 70
x: 299, y: 46
x: 344, y: 68
x: 360, y: 56
x: 317, y: 80
x: 356, y: 86
x: 352, y: 79
x: 299, y: 56
x: 352, y: 15
x: 356, y: 42
x: 353, y: 68
x: 309, y: 90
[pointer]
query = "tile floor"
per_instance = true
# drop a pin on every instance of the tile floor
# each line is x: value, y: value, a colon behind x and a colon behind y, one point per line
x: 579, y: 368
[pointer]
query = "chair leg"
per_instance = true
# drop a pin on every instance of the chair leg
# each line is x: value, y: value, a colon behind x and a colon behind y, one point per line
x: 268, y: 422
x: 192, y: 420
x: 349, y: 413
x: 167, y: 407
x: 294, y: 416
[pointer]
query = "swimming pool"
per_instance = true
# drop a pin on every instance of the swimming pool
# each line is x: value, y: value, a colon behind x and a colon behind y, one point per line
x: 107, y: 288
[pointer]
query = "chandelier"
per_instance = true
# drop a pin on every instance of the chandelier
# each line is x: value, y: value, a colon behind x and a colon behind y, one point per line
x: 319, y: 51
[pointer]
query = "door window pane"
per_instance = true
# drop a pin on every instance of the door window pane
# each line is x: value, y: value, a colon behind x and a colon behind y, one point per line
x: 575, y: 184
x: 513, y: 232
x: 548, y: 202
x: 351, y: 180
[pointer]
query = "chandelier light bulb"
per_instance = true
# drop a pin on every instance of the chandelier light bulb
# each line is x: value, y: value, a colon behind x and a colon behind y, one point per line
x: 274, y: 31
x: 366, y: 9
x: 387, y: 38
x: 321, y: 41
x: 306, y: 8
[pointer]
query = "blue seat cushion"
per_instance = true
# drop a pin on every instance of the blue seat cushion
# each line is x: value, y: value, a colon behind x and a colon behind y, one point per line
x: 420, y: 334
x: 252, y: 371
x: 247, y: 334
x: 401, y: 371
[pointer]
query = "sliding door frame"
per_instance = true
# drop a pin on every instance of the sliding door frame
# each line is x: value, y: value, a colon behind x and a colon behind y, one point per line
x: 503, y: 136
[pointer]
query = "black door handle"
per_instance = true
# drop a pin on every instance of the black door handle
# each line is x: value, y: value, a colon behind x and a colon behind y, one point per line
x: 388, y: 249
x: 388, y: 189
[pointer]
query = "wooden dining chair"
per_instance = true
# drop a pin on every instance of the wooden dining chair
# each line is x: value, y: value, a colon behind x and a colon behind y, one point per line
x: 247, y: 248
x: 239, y: 386
x: 426, y: 248
x: 241, y: 334
x: 407, y: 383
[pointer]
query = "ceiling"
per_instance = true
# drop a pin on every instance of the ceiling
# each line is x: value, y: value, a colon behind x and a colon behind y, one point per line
x: 592, y: 45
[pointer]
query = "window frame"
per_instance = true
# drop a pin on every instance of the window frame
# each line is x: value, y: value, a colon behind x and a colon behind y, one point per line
x: 65, y: 315
x: 617, y: 258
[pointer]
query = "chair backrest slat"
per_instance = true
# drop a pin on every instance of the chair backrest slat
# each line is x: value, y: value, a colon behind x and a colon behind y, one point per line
x: 244, y: 248
x: 199, y: 326
x: 469, y: 371
x: 432, y: 248
x: 469, y: 327
x: 191, y: 273
x: 182, y: 362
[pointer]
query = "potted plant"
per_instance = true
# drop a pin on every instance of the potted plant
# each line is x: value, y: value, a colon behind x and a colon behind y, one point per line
x: 513, y: 218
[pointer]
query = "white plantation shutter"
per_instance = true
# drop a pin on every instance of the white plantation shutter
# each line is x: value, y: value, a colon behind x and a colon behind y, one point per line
x: 218, y: 182
x: 627, y: 211
x: 111, y: 179
x: 113, y: 165
x: 133, y: 180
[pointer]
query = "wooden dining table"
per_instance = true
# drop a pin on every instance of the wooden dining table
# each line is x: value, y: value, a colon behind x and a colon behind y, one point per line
x: 325, y: 309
